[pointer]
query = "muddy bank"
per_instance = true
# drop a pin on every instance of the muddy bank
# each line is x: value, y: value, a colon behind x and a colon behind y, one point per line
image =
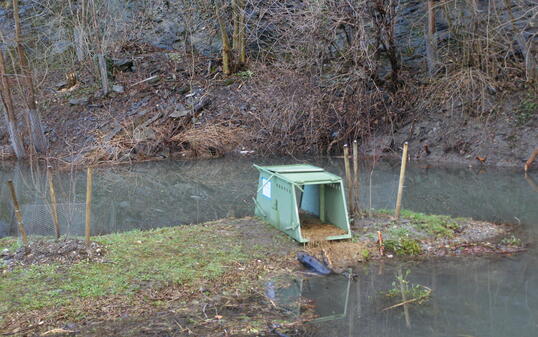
x: 506, y: 140
x: 171, y: 106
x: 166, y: 90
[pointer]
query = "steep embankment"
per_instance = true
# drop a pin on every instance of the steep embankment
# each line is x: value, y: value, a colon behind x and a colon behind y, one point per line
x: 310, y: 84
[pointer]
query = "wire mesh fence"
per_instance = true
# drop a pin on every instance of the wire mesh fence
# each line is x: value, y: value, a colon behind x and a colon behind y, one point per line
x: 38, y: 219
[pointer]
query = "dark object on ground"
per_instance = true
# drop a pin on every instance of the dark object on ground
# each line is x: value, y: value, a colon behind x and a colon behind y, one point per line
x: 313, y: 264
x: 123, y: 64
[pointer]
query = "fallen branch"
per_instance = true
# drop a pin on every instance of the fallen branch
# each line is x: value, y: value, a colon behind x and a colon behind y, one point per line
x: 152, y: 78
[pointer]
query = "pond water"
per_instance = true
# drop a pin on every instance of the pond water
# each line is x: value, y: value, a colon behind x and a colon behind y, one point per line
x: 169, y: 193
x: 471, y: 296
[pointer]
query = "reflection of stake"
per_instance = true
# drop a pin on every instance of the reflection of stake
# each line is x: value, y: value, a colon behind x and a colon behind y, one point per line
x: 18, y: 213
x: 404, y: 298
x: 531, y: 182
x: 54, y: 209
x: 402, y: 180
x: 89, y: 190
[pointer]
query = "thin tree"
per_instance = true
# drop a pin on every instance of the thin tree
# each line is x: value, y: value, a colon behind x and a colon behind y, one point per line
x: 36, y: 129
x: 431, y: 43
x: 9, y: 112
x: 227, y: 59
x: 234, y: 52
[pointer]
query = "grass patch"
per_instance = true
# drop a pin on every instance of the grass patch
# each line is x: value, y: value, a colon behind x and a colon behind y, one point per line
x: 9, y: 243
x: 437, y: 225
x: 432, y: 225
x: 184, y: 255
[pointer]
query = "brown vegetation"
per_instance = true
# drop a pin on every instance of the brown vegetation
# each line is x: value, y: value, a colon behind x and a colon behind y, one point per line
x: 319, y: 73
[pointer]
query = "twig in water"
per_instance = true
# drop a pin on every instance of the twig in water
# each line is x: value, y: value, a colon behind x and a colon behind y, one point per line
x: 411, y: 300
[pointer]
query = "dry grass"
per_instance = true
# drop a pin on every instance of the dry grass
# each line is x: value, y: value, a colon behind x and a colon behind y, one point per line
x: 209, y: 140
x: 341, y: 254
x: 467, y: 91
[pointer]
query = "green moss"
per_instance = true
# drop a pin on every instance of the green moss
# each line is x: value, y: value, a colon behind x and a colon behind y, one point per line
x: 245, y: 74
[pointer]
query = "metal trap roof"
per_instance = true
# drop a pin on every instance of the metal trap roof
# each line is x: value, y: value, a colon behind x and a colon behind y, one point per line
x: 301, y: 174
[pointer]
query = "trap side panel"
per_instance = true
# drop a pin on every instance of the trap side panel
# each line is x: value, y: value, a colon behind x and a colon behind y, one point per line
x: 335, y: 206
x: 276, y: 204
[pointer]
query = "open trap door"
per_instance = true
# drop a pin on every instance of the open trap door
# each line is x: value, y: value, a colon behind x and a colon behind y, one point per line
x: 304, y: 201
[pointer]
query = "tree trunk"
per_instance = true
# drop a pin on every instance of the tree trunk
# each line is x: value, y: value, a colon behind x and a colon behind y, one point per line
x: 531, y: 67
x: 9, y: 112
x: 242, y: 33
x: 36, y: 130
x: 236, y: 28
x: 103, y: 71
x: 80, y: 42
x: 431, y: 43
x: 226, y: 51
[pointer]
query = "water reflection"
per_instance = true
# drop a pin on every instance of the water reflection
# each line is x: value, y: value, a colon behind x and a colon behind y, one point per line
x: 168, y: 193
x: 492, y: 296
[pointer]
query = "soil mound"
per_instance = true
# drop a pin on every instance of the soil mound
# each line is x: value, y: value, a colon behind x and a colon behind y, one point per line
x: 66, y: 252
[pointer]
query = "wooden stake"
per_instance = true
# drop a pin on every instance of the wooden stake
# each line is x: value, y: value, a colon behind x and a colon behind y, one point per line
x: 18, y: 213
x: 53, y: 204
x: 402, y: 180
x: 381, y: 243
x: 532, y: 158
x: 89, y: 191
x: 348, y: 177
x: 356, y: 178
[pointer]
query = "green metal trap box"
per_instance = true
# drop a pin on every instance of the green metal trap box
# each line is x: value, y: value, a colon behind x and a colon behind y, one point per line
x: 287, y: 194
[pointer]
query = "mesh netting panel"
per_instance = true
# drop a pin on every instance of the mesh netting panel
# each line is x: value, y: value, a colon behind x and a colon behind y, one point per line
x: 37, y: 219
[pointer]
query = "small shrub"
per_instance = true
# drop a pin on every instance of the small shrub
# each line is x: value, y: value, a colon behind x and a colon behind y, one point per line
x: 403, y: 247
x: 245, y: 74
x: 365, y: 254
x: 511, y: 241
